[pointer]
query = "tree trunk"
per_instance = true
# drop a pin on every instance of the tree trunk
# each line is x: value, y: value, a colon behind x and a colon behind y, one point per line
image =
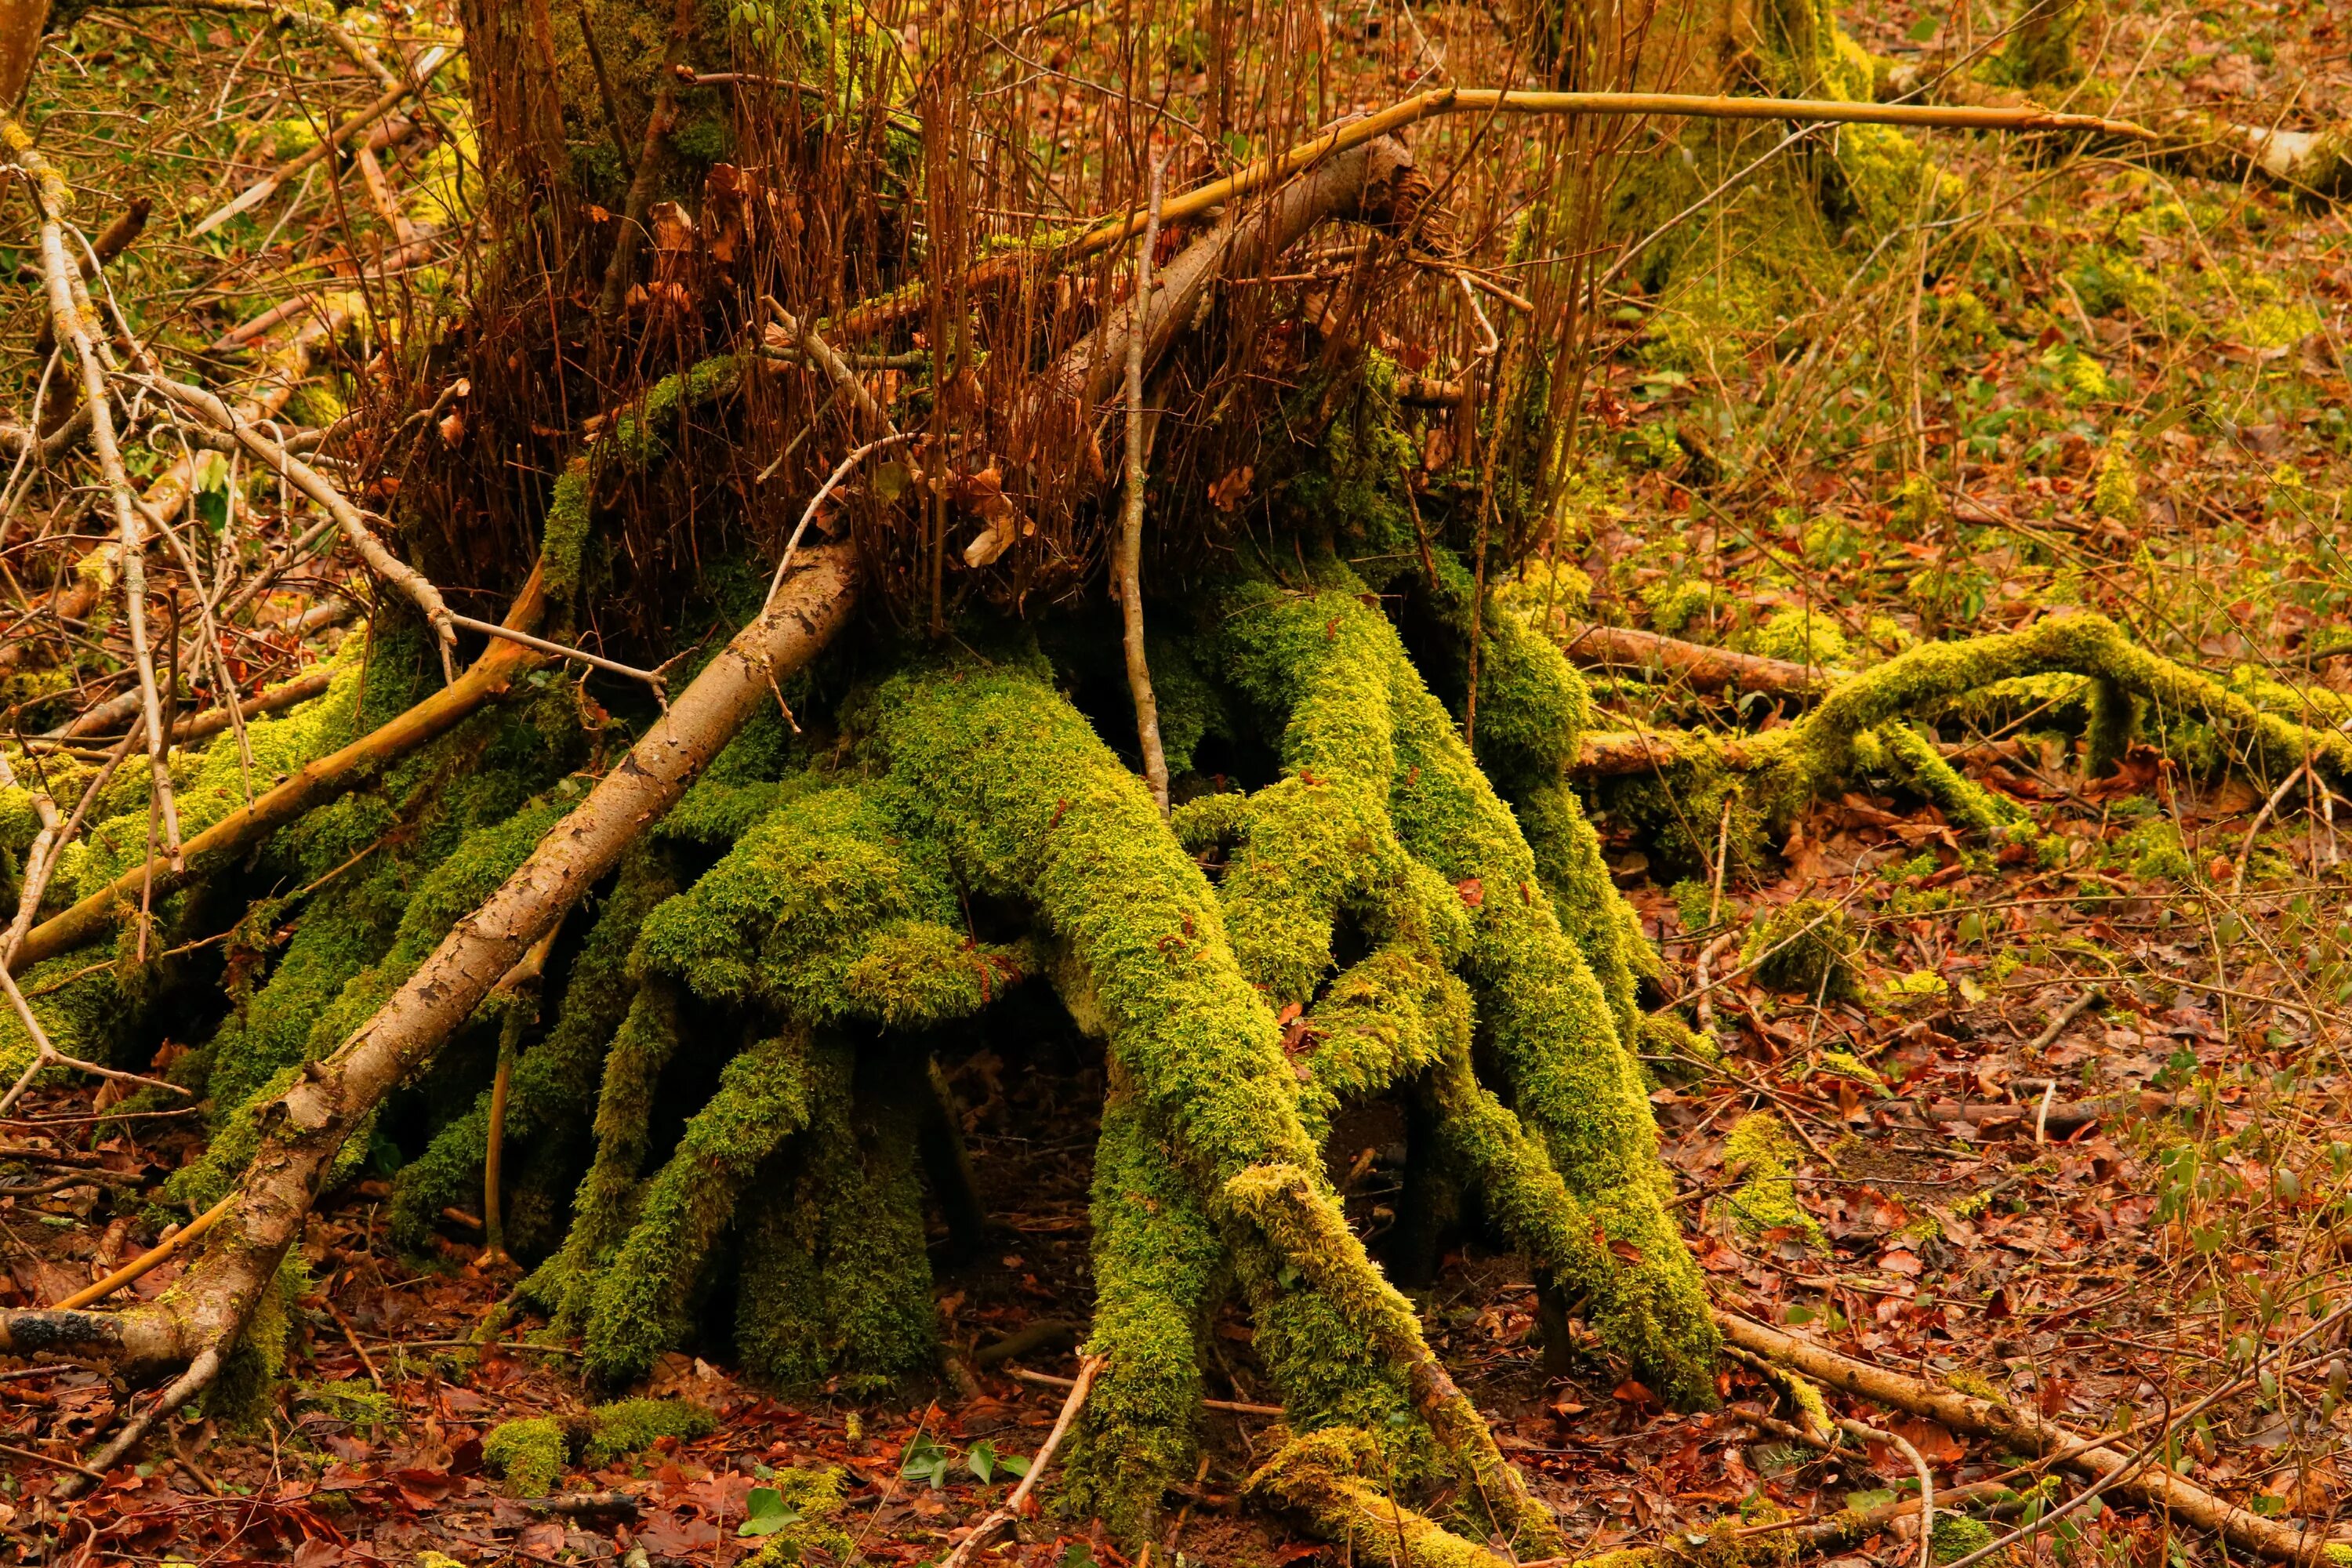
x: 22, y: 25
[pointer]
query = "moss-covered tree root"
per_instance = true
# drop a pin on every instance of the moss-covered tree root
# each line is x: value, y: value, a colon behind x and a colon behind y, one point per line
x: 1862, y: 723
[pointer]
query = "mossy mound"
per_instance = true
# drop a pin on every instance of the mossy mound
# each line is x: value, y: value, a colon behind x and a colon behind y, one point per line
x: 532, y: 1454
x: 1804, y: 949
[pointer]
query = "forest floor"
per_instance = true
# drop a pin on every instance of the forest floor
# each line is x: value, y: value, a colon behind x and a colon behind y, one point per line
x: 2105, y: 1222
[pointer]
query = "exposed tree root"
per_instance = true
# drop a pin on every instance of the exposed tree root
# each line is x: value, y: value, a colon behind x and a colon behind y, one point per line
x: 305, y: 1129
x: 1862, y: 720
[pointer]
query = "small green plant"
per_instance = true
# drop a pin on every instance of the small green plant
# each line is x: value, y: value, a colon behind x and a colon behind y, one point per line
x: 926, y: 1460
x: 984, y: 1462
x: 764, y: 1513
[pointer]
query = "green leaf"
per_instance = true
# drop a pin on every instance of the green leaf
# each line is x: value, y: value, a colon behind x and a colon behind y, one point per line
x: 1014, y: 1465
x: 980, y: 1460
x: 925, y: 1460
x: 765, y: 1513
x: 1924, y: 28
x: 1866, y: 1500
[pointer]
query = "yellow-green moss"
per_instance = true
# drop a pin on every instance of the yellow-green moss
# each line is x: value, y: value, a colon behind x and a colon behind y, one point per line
x: 1802, y: 635
x: 632, y: 1425
x: 530, y: 1454
x: 1320, y: 1478
x: 1955, y: 1535
x: 1159, y: 1271
x: 1760, y: 1151
x: 1803, y: 949
x: 644, y: 1301
x: 826, y: 914
x: 836, y: 1283
x: 1358, y: 722
x: 605, y: 1208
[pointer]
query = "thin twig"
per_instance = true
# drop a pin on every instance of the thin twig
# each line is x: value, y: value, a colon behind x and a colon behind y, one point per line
x: 2066, y: 1018
x: 261, y: 190
x: 163, y: 1251
x: 311, y: 483
x: 652, y: 677
x: 1012, y: 1507
x: 2261, y: 820
x: 73, y: 317
x: 802, y: 335
x: 1130, y: 529
x: 833, y: 482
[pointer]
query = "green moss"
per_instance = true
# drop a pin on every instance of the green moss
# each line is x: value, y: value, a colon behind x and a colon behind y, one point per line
x: 1955, y: 1536
x: 529, y: 1453
x: 1032, y: 805
x: 553, y: 1090
x: 1159, y: 1272
x: 1802, y: 635
x: 825, y: 912
x: 1357, y: 721
x: 2114, y: 493
x: 1914, y: 758
x: 606, y: 1205
x: 1674, y: 603
x: 563, y: 532
x: 1803, y: 949
x: 242, y: 1394
x: 1846, y: 1065
x: 1320, y: 1478
x: 816, y: 1534
x: 1760, y: 1151
x: 835, y: 1281
x: 2151, y: 852
x: 534, y: 1454
x: 632, y: 1425
x: 643, y: 1304
x: 350, y: 1403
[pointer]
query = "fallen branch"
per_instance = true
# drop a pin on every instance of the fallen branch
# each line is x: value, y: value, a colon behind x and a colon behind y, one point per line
x: 1703, y: 667
x: 260, y: 191
x: 1012, y: 1507
x: 2029, y: 1432
x: 161, y: 1252
x: 1202, y: 200
x: 317, y: 782
x: 198, y: 726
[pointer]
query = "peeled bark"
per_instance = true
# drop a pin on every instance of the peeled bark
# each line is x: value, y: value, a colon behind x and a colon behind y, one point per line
x: 1367, y: 182
x: 1706, y: 668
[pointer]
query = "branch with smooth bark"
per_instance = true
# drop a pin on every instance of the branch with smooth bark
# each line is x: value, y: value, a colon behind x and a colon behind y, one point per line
x: 73, y: 318
x: 313, y: 484
x: 2028, y: 1431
